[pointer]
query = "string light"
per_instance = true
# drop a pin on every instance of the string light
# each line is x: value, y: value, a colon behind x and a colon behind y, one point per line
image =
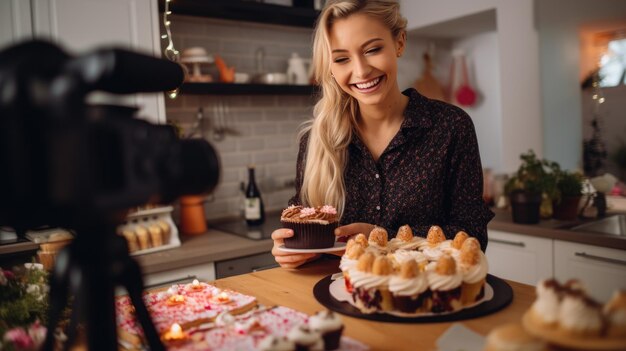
x: 170, y: 51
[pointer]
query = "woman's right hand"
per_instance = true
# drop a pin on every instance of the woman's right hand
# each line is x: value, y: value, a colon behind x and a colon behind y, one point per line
x: 288, y: 259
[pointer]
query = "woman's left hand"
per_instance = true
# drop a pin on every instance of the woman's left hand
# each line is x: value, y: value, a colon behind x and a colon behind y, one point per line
x: 346, y: 231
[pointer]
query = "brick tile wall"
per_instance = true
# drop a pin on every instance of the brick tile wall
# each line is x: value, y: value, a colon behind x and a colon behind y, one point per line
x: 264, y: 126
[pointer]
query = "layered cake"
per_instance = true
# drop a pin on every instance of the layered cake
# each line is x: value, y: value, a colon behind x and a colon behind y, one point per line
x: 411, y: 274
x: 313, y: 227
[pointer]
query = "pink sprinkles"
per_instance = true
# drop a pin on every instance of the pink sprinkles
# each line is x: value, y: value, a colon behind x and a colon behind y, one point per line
x: 328, y: 209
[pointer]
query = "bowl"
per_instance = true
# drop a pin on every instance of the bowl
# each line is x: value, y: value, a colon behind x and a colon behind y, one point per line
x: 271, y: 78
x: 241, y: 77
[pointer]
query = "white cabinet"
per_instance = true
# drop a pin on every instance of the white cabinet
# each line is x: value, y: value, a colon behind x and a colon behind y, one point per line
x: 15, y: 22
x: 204, y: 272
x: 520, y: 258
x: 602, y: 270
x: 80, y: 25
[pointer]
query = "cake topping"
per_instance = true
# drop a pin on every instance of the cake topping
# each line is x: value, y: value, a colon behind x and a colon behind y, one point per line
x: 435, y: 235
x: 382, y: 266
x: 446, y: 265
x: 580, y: 313
x: 470, y: 251
x: 328, y: 209
x: 325, y: 321
x: 361, y: 239
x: 303, y: 335
x: 276, y: 343
x: 409, y: 269
x: 299, y: 213
x: 354, y: 251
x: 378, y: 237
x: 365, y: 262
x: 459, y: 238
x: 307, y: 211
x: 574, y: 285
x: 405, y: 233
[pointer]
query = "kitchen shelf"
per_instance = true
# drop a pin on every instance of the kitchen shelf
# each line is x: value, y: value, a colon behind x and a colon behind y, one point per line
x: 246, y: 89
x: 245, y: 11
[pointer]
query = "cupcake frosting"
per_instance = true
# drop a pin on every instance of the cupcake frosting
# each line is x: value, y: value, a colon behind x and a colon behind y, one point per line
x: 579, y: 313
x: 304, y: 335
x: 475, y: 273
x: 325, y: 321
x: 443, y: 282
x: 402, y: 256
x: 276, y: 343
x: 366, y: 280
x: 547, y: 303
x: 321, y: 214
x: 407, y: 287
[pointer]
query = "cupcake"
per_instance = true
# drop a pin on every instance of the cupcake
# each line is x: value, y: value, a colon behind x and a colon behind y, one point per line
x: 349, y: 261
x: 276, y: 343
x: 369, y: 289
x: 405, y: 240
x: 409, y: 288
x: 445, y: 282
x: 615, y: 312
x: 579, y: 315
x: 313, y: 228
x: 305, y: 338
x: 430, y: 247
x: 545, y: 310
x: 473, y: 266
x: 378, y: 239
x: 512, y: 337
x: 330, y: 326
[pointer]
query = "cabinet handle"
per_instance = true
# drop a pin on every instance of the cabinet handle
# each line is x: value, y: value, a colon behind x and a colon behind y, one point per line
x: 600, y: 258
x: 506, y: 242
x: 169, y: 282
x: 262, y: 268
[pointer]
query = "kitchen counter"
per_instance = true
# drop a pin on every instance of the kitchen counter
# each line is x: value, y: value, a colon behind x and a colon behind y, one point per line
x: 294, y: 289
x: 555, y: 229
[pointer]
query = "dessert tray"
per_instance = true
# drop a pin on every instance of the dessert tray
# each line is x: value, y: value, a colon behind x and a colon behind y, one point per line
x: 558, y: 337
x: 332, y: 295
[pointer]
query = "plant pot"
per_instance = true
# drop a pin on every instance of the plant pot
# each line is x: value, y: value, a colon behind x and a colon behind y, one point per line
x: 525, y: 207
x: 567, y: 209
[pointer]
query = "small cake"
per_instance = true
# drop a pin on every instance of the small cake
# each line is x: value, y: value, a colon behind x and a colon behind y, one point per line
x: 156, y: 235
x: 131, y: 239
x: 276, y: 343
x: 305, y: 338
x: 349, y: 261
x: 545, y: 310
x: 142, y: 237
x: 512, y: 337
x: 473, y: 266
x: 405, y: 240
x: 445, y: 283
x: 579, y: 315
x: 409, y: 288
x: 379, y: 239
x: 330, y: 326
x: 615, y: 312
x: 368, y: 288
x: 166, y: 231
x: 313, y: 228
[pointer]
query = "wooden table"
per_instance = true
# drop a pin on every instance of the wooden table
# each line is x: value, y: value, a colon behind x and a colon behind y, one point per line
x: 294, y: 288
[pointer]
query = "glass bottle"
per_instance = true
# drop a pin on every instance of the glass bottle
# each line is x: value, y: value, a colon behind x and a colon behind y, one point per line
x: 255, y: 212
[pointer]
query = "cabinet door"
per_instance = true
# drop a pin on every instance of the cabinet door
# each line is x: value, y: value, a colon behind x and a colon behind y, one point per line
x: 602, y: 270
x: 15, y: 22
x: 244, y: 265
x: 82, y: 25
x: 521, y: 258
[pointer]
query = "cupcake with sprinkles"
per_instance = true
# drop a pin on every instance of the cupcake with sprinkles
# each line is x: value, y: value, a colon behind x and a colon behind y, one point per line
x: 313, y: 227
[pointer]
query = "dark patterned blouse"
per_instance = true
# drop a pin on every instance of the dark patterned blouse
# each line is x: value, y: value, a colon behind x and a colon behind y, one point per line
x: 430, y: 173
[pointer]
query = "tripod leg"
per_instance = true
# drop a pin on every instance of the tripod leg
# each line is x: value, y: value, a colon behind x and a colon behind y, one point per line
x: 130, y: 277
x: 77, y: 306
x: 58, y: 295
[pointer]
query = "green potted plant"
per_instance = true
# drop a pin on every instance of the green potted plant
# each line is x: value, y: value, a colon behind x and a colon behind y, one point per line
x: 569, y: 191
x: 527, y: 186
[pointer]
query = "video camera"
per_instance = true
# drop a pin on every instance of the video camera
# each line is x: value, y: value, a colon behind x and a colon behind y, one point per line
x: 81, y: 166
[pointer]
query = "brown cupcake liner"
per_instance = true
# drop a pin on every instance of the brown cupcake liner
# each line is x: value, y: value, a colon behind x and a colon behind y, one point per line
x: 332, y: 339
x: 310, y: 235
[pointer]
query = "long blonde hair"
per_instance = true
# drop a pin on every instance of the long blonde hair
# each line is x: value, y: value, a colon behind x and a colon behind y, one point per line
x: 334, y: 115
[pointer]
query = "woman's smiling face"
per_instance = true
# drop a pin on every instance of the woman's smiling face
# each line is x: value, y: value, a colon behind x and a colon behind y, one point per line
x: 364, y: 58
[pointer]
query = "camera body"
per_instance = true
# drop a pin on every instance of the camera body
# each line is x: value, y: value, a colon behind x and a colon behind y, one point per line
x: 66, y: 162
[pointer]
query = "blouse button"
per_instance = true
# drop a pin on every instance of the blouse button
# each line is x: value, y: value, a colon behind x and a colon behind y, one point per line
x: 378, y: 208
x: 377, y: 176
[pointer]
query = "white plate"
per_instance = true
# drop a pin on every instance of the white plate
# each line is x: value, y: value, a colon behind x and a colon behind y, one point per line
x: 337, y: 247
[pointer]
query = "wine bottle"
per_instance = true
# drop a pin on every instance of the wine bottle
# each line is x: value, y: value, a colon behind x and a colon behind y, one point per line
x: 255, y: 212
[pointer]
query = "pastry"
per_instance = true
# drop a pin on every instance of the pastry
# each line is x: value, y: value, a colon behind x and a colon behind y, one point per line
x: 366, y: 285
x: 305, y: 338
x: 512, y: 337
x: 349, y: 260
x: 313, y: 228
x: 431, y: 246
x: 166, y: 231
x: 445, y: 282
x: 474, y: 267
x: 615, y: 312
x: 142, y: 237
x: 409, y: 288
x: 131, y: 239
x: 330, y: 326
x: 156, y: 235
x: 579, y: 315
x: 405, y: 240
x: 545, y: 310
x: 378, y: 238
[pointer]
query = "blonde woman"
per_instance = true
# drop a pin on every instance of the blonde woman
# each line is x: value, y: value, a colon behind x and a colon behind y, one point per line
x: 381, y: 156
